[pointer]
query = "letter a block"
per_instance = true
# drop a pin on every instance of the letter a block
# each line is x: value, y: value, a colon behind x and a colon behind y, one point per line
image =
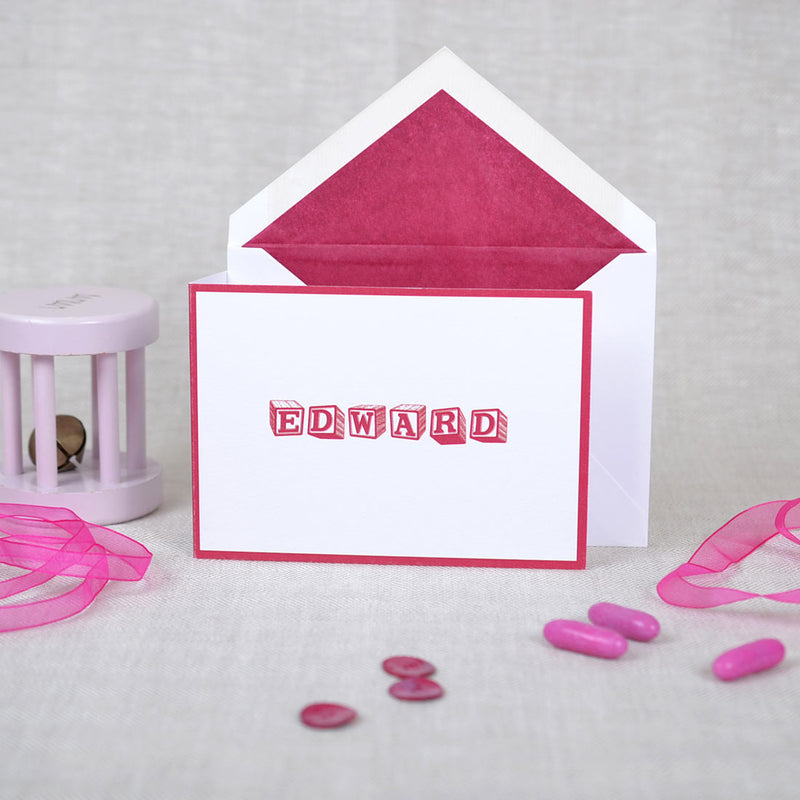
x: 488, y: 425
x: 367, y: 422
x: 326, y: 422
x: 286, y: 417
x: 448, y: 426
x: 407, y: 421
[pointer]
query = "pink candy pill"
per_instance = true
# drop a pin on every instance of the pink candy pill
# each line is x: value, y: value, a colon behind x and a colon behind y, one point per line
x: 581, y: 637
x: 327, y: 715
x: 408, y: 667
x: 416, y: 689
x: 748, y: 659
x: 630, y: 623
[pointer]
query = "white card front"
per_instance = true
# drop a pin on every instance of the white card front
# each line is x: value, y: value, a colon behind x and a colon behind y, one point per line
x: 424, y: 426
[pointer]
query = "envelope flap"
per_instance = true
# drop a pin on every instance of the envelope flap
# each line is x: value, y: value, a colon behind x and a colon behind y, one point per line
x: 443, y: 160
x: 442, y: 178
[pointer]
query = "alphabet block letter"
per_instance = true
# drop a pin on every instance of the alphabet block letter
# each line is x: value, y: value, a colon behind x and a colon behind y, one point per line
x: 367, y: 422
x: 325, y: 422
x: 407, y: 421
x: 286, y: 417
x: 488, y: 425
x: 448, y: 426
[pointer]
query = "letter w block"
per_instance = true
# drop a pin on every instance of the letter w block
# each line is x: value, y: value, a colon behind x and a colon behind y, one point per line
x: 367, y: 422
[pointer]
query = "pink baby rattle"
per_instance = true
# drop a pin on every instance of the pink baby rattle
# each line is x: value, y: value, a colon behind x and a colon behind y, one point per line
x: 107, y: 484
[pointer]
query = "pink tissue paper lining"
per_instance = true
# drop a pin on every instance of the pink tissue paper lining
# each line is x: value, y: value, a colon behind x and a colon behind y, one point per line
x: 733, y: 542
x: 50, y: 542
x: 442, y: 200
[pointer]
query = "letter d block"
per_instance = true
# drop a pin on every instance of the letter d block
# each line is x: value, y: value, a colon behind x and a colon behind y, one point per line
x: 326, y: 422
x: 407, y: 421
x: 448, y: 426
x: 286, y: 417
x: 367, y: 422
x: 488, y: 425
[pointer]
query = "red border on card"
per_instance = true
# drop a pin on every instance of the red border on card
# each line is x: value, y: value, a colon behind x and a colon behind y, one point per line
x: 583, y: 470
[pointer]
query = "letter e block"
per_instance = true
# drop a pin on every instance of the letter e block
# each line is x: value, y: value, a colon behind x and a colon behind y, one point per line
x: 407, y: 421
x: 488, y: 425
x: 325, y: 422
x: 367, y: 422
x: 286, y: 417
x: 448, y: 426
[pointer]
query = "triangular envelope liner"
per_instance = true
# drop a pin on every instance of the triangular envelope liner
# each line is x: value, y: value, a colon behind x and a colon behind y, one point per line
x: 733, y: 542
x: 442, y: 200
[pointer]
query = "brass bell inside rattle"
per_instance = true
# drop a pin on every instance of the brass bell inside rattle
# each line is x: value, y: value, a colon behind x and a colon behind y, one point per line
x: 70, y: 442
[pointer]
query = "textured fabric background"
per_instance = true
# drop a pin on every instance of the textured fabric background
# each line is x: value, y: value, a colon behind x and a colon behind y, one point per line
x: 130, y: 131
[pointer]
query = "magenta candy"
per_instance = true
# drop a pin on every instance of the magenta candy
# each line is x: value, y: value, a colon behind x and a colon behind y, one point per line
x: 749, y: 659
x: 327, y: 715
x: 416, y: 689
x: 630, y: 623
x: 580, y: 637
x: 408, y: 667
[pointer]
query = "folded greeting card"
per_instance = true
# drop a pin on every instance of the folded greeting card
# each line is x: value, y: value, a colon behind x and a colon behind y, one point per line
x: 396, y: 364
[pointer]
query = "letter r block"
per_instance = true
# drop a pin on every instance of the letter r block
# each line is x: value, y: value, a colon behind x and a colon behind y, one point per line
x: 488, y: 425
x: 325, y: 422
x: 286, y: 417
x: 448, y: 426
x: 367, y: 422
x: 407, y: 421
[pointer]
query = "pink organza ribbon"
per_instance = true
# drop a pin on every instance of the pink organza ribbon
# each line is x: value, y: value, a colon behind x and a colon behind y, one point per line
x: 51, y: 542
x: 734, y: 541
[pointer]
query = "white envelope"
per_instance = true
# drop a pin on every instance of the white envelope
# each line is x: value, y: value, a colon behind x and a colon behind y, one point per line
x: 361, y: 210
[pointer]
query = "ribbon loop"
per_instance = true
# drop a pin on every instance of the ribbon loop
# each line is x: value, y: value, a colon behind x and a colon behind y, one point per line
x: 50, y: 542
x: 728, y: 545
